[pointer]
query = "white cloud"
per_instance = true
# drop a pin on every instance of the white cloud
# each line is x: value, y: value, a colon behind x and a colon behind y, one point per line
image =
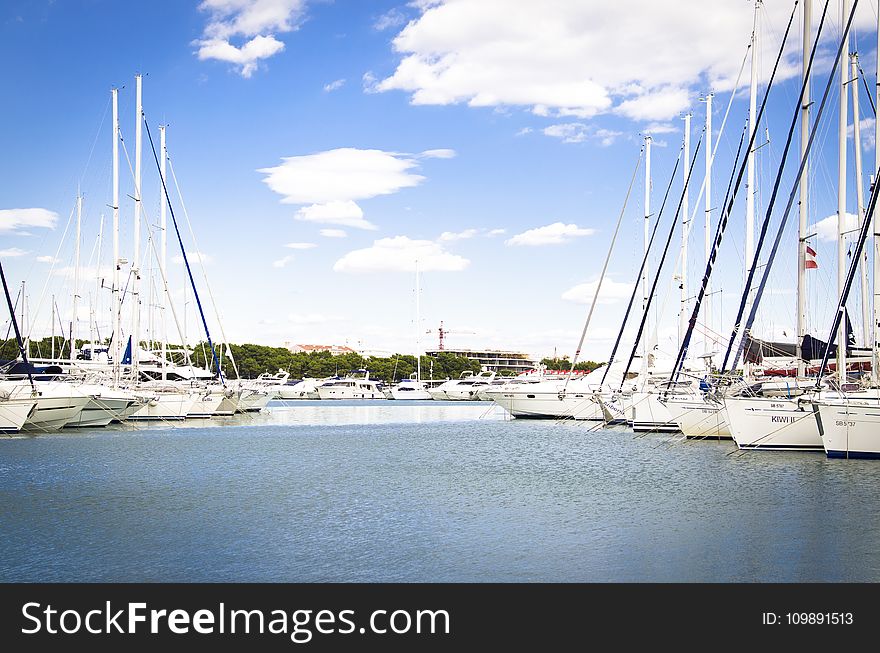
x: 643, y: 59
x: 255, y: 20
x: 443, y: 153
x: 310, y: 318
x: 866, y: 133
x: 611, y: 292
x: 524, y: 131
x: 447, y: 236
x: 578, y: 132
x: 391, y: 18
x: 332, y: 86
x: 300, y: 245
x: 46, y: 259
x: 826, y: 228
x: 399, y: 254
x: 12, y: 252
x: 572, y: 132
x: 557, y: 233
x: 194, y: 258
x: 331, y: 182
x: 12, y: 220
x: 246, y: 57
x: 496, y: 232
x: 333, y: 233
x: 607, y: 137
x: 346, y: 213
x: 370, y: 83
x: 659, y: 128
x: 282, y: 262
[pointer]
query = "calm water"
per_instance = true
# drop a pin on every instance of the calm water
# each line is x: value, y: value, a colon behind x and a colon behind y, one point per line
x: 386, y: 491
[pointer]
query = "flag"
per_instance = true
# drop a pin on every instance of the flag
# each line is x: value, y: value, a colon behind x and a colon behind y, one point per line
x: 810, y: 260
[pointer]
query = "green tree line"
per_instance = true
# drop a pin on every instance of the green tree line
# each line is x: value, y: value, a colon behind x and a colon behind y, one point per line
x: 252, y: 360
x: 564, y: 363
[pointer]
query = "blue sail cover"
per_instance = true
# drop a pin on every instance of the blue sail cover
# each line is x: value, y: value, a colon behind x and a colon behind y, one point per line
x: 126, y: 357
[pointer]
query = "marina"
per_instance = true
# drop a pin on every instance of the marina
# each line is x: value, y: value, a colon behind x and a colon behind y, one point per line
x: 573, y: 317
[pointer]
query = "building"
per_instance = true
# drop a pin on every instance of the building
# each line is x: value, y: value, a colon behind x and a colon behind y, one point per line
x: 335, y: 350
x: 493, y: 360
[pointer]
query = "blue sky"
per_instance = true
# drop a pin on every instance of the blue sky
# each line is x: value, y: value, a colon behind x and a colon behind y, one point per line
x: 323, y: 146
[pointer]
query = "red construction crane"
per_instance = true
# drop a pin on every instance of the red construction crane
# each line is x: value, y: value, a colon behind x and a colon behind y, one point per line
x: 442, y: 333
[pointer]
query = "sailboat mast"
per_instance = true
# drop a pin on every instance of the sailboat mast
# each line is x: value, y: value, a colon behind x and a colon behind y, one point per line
x: 163, y: 252
x: 136, y: 257
x: 79, y: 206
x: 418, y: 329
x: 648, y: 141
x: 860, y: 197
x: 841, y: 194
x: 707, y: 235
x: 117, y: 307
x: 875, y: 340
x: 93, y: 303
x: 803, y: 206
x: 685, y: 220
x: 750, y: 171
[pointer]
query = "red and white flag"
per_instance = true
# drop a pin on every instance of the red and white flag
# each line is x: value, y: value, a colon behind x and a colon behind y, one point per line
x: 810, y: 261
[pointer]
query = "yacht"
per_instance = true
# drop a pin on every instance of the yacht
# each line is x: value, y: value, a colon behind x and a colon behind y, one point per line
x: 536, y: 397
x: 464, y: 388
x: 409, y: 389
x: 359, y: 386
x: 305, y: 388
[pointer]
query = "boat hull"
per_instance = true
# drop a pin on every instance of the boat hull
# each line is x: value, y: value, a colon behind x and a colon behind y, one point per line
x: 772, y: 423
x: 849, y: 429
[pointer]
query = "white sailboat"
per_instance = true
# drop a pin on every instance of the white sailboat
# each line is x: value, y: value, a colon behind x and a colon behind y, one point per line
x: 412, y: 389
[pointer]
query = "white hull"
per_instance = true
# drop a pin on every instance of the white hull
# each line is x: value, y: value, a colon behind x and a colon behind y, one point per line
x: 772, y: 423
x: 106, y: 405
x: 350, y: 393
x: 536, y: 404
x: 57, y: 404
x: 204, y: 405
x: 229, y: 404
x: 616, y: 409
x: 849, y: 429
x: 165, y: 406
x: 701, y: 419
x: 253, y: 401
x: 409, y: 391
x: 650, y: 414
x: 14, y: 413
x: 301, y: 390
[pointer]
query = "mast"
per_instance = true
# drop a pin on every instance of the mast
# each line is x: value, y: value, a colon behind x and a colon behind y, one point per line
x: 418, y: 330
x: 875, y: 358
x: 53, y: 327
x: 707, y: 315
x: 136, y: 257
x: 803, y: 206
x: 750, y: 172
x: 163, y: 252
x: 93, y: 320
x: 117, y: 297
x: 860, y: 198
x: 647, y: 240
x: 79, y: 206
x: 841, y: 193
x: 685, y: 220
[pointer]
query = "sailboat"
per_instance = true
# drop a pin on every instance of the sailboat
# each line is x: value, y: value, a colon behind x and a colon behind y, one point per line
x: 849, y: 425
x: 412, y: 389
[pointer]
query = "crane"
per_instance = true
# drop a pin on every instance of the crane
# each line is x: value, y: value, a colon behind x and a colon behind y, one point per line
x: 442, y: 333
